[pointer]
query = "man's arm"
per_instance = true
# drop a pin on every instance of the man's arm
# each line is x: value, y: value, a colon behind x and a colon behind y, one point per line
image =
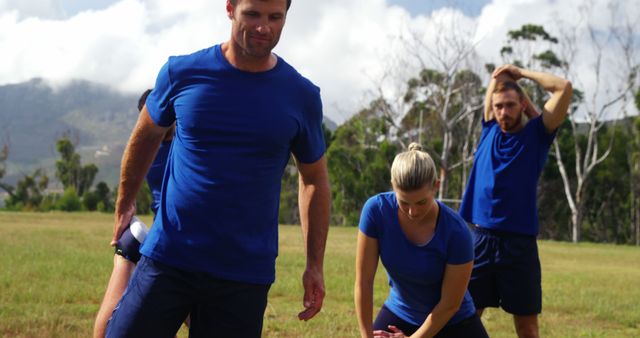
x: 556, y: 108
x: 529, y: 110
x: 488, y: 109
x: 138, y: 156
x: 314, y: 202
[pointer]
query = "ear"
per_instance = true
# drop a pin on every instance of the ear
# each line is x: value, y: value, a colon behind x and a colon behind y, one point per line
x: 229, y: 9
x: 436, y: 185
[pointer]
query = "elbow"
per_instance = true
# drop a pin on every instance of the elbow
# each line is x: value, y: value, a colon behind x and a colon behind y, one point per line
x: 451, y: 309
x: 447, y: 310
x: 567, y: 87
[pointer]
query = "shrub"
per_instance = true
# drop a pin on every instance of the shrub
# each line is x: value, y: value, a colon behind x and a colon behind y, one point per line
x: 69, y: 201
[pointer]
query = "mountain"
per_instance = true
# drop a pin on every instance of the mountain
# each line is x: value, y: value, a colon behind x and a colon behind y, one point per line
x: 97, y: 119
x: 33, y: 115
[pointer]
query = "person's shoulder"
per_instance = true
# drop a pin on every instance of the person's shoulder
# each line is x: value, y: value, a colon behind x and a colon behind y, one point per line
x: 535, y: 122
x: 380, y: 200
x: 454, y: 221
x: 196, y: 59
x: 294, y: 75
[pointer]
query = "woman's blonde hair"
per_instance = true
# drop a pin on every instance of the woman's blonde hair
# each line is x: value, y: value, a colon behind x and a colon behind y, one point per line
x: 413, y: 169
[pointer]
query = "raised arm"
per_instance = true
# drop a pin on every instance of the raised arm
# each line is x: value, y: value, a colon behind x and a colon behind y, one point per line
x: 454, y: 286
x: 366, y: 265
x: 138, y: 156
x: 314, y: 202
x: 530, y: 110
x: 556, y: 108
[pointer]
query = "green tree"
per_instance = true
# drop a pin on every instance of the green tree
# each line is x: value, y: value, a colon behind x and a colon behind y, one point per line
x: 359, y: 160
x: 607, y: 198
x: 69, y: 201
x: 289, y: 212
x: 90, y: 201
x: 634, y: 164
x: 105, y: 199
x: 144, y: 199
x: 447, y: 108
x: 29, y: 191
x: 4, y: 154
x: 69, y: 169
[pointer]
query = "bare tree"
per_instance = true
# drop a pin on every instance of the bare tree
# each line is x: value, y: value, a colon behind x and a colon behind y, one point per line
x: 615, y: 48
x: 447, y: 92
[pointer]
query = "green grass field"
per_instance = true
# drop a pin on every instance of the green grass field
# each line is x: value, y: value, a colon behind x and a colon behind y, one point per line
x: 54, y: 268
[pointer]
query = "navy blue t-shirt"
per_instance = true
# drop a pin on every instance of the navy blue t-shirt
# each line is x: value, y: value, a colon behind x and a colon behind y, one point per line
x: 234, y: 133
x: 155, y: 174
x: 501, y: 191
x: 416, y: 272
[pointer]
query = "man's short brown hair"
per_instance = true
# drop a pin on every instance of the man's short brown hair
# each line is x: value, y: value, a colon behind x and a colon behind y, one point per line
x: 233, y: 2
x: 504, y: 86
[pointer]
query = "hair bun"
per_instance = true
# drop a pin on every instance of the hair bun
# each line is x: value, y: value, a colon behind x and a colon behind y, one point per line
x: 415, y: 146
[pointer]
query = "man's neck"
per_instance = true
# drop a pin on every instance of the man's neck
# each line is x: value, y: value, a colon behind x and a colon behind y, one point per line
x: 247, y: 63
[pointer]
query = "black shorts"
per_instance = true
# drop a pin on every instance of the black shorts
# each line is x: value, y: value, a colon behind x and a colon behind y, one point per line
x: 470, y: 327
x: 506, y: 272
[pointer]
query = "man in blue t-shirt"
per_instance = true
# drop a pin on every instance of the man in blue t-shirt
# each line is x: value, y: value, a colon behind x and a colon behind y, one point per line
x: 501, y: 194
x: 239, y: 112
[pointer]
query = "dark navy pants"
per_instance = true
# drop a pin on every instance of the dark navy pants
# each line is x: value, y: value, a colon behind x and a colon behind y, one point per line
x: 159, y: 298
x: 468, y: 328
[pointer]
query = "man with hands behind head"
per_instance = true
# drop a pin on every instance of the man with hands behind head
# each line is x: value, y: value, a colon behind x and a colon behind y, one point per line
x: 501, y: 193
x: 239, y: 111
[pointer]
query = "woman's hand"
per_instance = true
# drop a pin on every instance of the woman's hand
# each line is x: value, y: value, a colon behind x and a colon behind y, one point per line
x: 395, y: 332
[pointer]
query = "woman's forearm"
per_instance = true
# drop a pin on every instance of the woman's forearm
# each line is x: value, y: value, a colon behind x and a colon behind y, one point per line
x: 364, y: 308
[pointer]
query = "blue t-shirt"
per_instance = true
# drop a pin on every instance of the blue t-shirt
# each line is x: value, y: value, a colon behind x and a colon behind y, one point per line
x: 155, y: 174
x: 234, y: 133
x: 416, y: 272
x: 501, y: 191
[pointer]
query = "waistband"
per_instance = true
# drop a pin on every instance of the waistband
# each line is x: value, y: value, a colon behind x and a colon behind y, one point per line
x: 500, y: 233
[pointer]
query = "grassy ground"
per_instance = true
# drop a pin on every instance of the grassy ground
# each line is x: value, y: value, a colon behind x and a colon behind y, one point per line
x: 54, y: 268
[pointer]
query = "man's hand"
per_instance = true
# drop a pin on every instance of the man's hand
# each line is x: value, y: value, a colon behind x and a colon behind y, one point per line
x: 122, y: 220
x: 512, y: 71
x: 313, y: 283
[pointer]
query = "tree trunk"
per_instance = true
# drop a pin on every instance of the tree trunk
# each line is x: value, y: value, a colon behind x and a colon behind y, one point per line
x: 444, y: 165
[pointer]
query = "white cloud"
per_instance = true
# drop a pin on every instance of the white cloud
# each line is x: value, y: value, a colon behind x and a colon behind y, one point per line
x: 343, y: 46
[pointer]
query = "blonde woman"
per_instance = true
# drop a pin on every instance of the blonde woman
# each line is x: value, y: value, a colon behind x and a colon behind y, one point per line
x: 427, y: 251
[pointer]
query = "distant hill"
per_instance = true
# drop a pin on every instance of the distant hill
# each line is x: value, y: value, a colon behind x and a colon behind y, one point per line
x: 98, y: 119
x: 33, y: 116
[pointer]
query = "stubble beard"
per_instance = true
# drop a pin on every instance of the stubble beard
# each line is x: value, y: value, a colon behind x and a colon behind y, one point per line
x: 509, y: 124
x: 258, y: 51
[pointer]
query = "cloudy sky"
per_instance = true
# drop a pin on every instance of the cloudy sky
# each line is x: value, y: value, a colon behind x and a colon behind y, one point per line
x: 349, y: 48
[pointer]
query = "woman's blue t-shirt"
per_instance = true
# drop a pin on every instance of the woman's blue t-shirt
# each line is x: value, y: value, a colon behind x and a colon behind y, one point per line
x: 416, y: 272
x: 235, y: 131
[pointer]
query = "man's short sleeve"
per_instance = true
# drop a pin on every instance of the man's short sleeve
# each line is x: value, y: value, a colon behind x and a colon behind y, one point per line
x: 160, y: 100
x: 541, y: 130
x: 309, y: 144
